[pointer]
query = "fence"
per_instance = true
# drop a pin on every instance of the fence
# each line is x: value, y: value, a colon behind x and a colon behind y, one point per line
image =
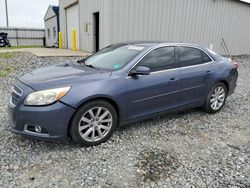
x: 25, y: 36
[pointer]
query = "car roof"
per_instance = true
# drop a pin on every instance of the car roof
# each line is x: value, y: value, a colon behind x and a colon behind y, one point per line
x: 154, y: 43
x: 150, y: 44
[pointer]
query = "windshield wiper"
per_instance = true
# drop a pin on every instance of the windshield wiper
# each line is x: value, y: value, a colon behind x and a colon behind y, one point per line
x: 82, y: 62
x: 91, y: 66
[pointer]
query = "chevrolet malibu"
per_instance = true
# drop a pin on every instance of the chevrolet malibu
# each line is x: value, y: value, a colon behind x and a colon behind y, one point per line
x: 120, y: 84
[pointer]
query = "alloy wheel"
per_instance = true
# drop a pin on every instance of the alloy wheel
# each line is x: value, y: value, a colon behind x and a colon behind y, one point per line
x: 95, y: 124
x: 218, y: 98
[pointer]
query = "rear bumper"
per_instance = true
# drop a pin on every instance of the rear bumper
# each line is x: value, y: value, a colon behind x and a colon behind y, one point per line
x: 53, y: 119
x: 232, y: 81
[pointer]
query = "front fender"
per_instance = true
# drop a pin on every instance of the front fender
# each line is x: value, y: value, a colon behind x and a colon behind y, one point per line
x: 111, y: 89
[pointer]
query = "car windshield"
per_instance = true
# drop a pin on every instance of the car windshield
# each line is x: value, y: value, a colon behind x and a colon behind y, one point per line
x: 113, y: 57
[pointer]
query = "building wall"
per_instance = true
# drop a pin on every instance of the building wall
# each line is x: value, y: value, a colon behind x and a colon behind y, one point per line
x: 203, y: 22
x: 72, y: 16
x: 24, y: 36
x: 50, y: 24
x: 63, y: 4
x: 50, y: 13
x: 87, y: 8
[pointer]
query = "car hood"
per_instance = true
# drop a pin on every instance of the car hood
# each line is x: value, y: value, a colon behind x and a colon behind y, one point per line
x: 67, y: 74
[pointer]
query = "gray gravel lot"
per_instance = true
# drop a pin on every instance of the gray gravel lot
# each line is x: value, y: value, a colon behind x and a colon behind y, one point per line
x: 188, y: 149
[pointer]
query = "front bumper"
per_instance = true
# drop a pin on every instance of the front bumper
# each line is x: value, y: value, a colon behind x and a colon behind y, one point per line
x: 54, y: 118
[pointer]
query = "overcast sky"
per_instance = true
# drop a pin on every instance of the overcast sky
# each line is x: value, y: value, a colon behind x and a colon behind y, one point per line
x: 25, y: 13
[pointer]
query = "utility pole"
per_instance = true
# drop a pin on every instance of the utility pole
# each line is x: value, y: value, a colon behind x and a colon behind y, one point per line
x: 6, y: 11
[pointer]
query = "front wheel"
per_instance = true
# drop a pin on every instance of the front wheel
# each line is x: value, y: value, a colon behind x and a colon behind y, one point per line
x: 94, y: 123
x: 216, y: 98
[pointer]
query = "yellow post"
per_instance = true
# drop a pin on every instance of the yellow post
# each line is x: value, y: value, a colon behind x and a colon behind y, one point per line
x: 60, y: 40
x: 74, y: 40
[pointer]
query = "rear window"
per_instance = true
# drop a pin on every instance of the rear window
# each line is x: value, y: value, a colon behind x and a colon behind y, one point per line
x: 215, y: 55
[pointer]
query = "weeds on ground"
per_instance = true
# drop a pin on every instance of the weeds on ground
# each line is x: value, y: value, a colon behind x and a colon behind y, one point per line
x: 19, y: 47
x: 5, y: 67
x: 5, y: 70
x: 6, y: 55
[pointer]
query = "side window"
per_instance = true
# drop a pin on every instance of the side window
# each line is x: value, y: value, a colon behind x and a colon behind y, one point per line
x: 54, y: 32
x: 159, y: 59
x: 189, y: 56
x: 205, y: 58
x: 48, y: 30
x: 192, y: 56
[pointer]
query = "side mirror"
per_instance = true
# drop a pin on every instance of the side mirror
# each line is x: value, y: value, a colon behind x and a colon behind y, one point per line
x: 140, y: 70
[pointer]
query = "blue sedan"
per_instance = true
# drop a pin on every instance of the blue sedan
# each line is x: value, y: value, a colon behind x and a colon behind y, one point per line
x: 120, y: 84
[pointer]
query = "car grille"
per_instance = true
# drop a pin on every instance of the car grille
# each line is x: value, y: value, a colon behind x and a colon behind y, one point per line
x: 16, y: 96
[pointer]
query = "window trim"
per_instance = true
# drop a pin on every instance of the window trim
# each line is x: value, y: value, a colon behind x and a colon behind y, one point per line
x: 195, y: 47
x: 155, y: 48
x: 54, y: 32
x: 176, y: 58
x: 48, y: 32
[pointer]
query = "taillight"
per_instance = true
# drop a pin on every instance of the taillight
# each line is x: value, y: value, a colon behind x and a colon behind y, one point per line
x: 236, y: 64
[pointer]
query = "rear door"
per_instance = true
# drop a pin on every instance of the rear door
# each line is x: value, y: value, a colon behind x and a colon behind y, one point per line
x: 196, y: 71
x: 157, y: 91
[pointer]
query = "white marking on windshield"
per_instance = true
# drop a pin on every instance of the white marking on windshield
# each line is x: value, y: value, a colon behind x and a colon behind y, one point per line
x: 138, y: 48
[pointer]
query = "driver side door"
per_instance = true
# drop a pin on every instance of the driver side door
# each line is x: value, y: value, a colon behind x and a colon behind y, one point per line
x: 158, y: 91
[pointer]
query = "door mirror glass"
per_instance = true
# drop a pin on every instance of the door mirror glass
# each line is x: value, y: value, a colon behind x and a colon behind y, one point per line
x: 140, y: 70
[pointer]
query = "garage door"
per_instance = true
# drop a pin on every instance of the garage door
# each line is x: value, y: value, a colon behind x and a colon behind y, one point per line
x: 72, y: 23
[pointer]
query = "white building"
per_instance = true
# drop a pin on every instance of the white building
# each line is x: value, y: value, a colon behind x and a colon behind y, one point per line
x: 99, y: 23
x: 52, y: 28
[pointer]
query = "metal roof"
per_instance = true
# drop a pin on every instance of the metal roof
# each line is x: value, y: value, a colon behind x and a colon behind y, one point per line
x: 56, y: 9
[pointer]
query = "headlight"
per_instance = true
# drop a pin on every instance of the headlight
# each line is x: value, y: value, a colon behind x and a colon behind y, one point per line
x: 45, y: 97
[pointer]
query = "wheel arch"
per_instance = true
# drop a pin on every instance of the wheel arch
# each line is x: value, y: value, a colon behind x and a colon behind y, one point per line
x: 225, y: 83
x: 103, y: 98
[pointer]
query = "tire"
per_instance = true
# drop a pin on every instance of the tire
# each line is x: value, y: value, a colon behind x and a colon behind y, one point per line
x: 211, y: 106
x: 90, y: 129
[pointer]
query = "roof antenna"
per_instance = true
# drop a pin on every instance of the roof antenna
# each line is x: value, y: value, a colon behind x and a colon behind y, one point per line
x: 225, y: 48
x: 225, y: 52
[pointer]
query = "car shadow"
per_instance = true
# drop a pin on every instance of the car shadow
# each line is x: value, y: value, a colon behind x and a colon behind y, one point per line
x: 165, y: 117
x: 69, y: 145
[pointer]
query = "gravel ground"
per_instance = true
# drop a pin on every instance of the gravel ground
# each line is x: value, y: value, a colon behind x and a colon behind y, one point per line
x: 188, y: 149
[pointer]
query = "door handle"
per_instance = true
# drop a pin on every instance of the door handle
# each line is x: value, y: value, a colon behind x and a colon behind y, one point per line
x: 172, y: 79
x: 209, y: 72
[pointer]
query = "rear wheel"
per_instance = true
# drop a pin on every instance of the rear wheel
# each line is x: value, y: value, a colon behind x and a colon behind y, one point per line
x: 216, y: 98
x: 94, y: 123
